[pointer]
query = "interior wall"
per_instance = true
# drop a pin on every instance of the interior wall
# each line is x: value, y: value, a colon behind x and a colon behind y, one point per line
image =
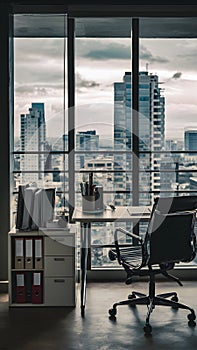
x: 4, y: 142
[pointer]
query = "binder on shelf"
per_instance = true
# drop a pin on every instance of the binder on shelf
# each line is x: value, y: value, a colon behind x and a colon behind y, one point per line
x: 20, y: 287
x: 28, y: 287
x: 35, y: 207
x: 19, y: 253
x: 29, y: 194
x: 38, y: 253
x: 37, y: 288
x: 47, y: 205
x: 20, y: 206
x: 36, y: 216
x: 28, y: 253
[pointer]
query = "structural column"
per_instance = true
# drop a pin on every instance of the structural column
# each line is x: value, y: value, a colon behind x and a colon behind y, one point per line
x: 5, y: 129
x: 71, y: 113
x: 135, y: 117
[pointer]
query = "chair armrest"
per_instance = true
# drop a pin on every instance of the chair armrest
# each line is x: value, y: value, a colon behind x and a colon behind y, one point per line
x: 127, y: 233
x: 176, y: 213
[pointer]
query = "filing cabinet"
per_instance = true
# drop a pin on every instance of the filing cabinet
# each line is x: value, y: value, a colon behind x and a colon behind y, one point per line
x: 59, y: 261
x: 47, y: 278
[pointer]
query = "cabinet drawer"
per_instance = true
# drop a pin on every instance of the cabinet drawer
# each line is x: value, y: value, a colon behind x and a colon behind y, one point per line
x: 59, y: 266
x: 62, y: 245
x: 59, y: 291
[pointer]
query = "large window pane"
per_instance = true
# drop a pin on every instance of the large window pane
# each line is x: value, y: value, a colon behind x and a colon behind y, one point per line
x: 168, y: 64
x: 103, y: 111
x: 40, y: 102
x: 103, y: 115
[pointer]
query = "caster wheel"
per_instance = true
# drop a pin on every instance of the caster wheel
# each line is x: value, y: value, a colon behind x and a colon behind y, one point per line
x: 147, y: 329
x: 112, y: 312
x: 175, y: 298
x: 83, y: 311
x: 191, y: 317
x: 192, y: 324
x: 131, y: 296
x: 111, y: 256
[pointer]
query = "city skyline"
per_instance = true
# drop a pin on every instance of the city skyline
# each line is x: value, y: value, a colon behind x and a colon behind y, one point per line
x: 33, y: 138
x: 153, y: 105
x: 99, y: 63
x: 151, y: 136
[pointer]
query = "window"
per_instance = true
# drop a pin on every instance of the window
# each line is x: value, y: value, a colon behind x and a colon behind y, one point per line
x: 103, y: 83
x: 40, y: 108
x: 167, y: 47
x: 103, y: 134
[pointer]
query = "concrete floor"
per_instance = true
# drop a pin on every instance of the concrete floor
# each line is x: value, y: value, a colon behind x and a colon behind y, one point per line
x: 64, y: 328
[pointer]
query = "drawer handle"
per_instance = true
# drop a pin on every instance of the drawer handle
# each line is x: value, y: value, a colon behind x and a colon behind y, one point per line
x: 59, y: 259
x: 59, y: 281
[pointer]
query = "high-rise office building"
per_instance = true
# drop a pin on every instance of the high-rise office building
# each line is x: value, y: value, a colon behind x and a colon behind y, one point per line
x: 86, y: 141
x: 190, y: 140
x: 48, y: 161
x: 33, y: 139
x: 151, y: 135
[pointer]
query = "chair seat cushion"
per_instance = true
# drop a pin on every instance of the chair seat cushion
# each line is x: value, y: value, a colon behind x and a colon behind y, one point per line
x: 131, y: 255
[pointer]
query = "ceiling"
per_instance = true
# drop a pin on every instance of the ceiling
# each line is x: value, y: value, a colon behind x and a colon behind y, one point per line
x: 41, y: 25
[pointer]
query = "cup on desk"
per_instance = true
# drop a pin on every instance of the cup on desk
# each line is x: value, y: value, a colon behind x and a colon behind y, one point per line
x: 93, y: 202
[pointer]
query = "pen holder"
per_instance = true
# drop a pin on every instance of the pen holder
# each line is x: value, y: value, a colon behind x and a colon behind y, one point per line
x: 88, y: 203
x: 93, y: 203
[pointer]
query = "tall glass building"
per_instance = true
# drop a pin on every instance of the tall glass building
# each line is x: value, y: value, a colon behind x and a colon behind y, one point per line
x: 190, y: 139
x: 151, y: 132
x: 86, y: 141
x: 33, y: 139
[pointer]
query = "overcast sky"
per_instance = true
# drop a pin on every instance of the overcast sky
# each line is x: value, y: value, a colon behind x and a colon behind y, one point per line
x: 39, y: 67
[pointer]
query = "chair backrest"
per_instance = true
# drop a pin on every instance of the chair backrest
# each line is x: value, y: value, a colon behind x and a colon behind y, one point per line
x: 174, y: 204
x: 170, y: 236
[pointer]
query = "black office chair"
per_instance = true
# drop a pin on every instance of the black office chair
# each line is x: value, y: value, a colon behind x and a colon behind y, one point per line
x: 169, y: 239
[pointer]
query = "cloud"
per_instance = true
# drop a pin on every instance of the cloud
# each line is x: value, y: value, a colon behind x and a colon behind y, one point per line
x: 83, y: 83
x: 39, y: 75
x: 146, y: 55
x: 115, y: 51
x: 176, y: 75
x: 37, y: 49
x: 110, y: 52
x: 36, y: 89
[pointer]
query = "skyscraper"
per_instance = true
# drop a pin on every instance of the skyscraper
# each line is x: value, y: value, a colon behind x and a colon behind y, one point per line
x: 86, y: 141
x: 190, y: 139
x: 33, y: 139
x: 151, y: 134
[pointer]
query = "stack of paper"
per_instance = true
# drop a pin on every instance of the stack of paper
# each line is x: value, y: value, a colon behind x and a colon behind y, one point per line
x: 35, y: 207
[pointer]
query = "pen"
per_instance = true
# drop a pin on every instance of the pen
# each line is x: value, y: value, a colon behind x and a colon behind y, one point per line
x: 90, y: 183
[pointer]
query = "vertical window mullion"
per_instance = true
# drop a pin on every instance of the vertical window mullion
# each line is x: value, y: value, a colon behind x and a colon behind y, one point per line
x: 135, y: 117
x: 71, y: 113
x: 5, y: 185
x: 135, y: 110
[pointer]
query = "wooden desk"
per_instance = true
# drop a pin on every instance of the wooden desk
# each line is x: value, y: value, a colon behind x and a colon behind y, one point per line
x: 120, y: 214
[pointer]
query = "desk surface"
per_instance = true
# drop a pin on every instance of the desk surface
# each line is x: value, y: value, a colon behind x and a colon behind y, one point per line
x: 119, y: 214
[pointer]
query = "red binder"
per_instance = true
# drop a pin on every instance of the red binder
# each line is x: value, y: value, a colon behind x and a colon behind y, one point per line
x: 37, y: 288
x: 20, y: 287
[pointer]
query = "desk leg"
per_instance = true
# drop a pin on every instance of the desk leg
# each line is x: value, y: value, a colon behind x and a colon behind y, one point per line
x: 85, y: 234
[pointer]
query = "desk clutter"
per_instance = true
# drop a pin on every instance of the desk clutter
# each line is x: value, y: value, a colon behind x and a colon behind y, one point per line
x: 27, y: 287
x: 27, y: 269
x: 35, y: 209
x: 42, y: 268
x: 92, y: 196
x: 41, y: 254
